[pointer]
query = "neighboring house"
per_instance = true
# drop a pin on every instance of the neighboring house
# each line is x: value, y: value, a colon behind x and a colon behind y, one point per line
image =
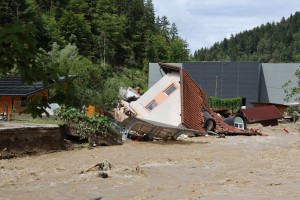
x: 257, y: 82
x: 178, y: 101
x: 273, y: 76
x: 14, y: 94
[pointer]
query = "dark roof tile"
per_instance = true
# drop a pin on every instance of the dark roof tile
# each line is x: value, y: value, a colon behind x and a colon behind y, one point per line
x: 13, y: 86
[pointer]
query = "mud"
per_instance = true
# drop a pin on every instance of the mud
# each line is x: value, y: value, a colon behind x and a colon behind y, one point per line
x: 239, y: 167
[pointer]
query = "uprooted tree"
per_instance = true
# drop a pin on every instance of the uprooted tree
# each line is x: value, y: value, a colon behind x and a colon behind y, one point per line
x: 98, y: 130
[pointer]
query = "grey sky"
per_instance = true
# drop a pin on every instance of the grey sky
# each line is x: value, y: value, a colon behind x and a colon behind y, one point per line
x: 204, y: 22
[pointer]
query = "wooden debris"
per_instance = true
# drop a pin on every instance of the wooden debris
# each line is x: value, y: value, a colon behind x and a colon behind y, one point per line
x: 105, y: 166
x: 2, y: 152
x: 256, y: 131
x: 221, y: 136
x: 286, y: 130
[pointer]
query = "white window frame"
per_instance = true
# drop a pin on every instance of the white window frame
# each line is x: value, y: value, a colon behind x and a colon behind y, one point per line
x: 239, y: 125
x: 166, y: 91
x: 151, y: 105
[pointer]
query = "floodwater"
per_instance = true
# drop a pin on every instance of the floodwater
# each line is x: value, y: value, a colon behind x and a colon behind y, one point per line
x: 241, y: 167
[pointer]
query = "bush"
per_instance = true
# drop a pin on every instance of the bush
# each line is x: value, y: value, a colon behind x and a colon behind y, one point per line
x: 233, y: 104
x: 87, y: 127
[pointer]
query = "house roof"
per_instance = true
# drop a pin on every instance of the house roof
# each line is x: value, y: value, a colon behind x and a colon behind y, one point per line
x: 281, y: 107
x: 156, y: 129
x: 192, y: 103
x: 13, y: 86
x: 169, y: 68
x: 260, y: 114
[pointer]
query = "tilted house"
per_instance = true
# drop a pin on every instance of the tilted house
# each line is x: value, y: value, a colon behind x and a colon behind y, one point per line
x: 14, y: 94
x: 178, y: 101
x: 161, y: 102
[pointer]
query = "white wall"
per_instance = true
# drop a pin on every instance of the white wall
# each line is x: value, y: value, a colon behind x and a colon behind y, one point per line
x: 168, y: 109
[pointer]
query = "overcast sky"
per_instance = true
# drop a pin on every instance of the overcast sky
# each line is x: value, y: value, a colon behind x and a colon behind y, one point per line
x: 204, y: 22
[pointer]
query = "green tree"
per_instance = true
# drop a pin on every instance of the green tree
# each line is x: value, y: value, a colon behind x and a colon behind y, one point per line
x: 179, y: 50
x: 87, y: 87
x: 292, y: 90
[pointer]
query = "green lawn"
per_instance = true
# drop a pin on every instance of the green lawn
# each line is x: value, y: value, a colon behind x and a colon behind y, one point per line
x: 40, y: 121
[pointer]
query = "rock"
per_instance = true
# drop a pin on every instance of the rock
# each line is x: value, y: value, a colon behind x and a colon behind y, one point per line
x: 103, y: 175
x: 67, y: 145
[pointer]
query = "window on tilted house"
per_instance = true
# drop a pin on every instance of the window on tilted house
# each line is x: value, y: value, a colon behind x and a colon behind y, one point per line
x: 151, y: 105
x: 170, y: 89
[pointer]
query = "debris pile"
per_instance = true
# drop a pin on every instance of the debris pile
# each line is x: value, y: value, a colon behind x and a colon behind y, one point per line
x: 103, y: 167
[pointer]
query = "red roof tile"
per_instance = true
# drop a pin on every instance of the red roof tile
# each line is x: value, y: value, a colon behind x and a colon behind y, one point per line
x: 194, y: 102
x: 222, y: 127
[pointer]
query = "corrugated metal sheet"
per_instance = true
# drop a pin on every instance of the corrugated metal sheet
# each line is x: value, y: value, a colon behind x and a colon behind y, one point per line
x: 260, y: 114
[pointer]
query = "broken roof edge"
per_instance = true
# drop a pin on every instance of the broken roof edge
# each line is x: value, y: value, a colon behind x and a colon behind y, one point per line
x: 223, y: 128
x: 169, y: 68
x: 269, y: 103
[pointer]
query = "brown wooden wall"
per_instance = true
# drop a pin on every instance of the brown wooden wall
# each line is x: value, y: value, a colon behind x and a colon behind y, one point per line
x: 15, y: 101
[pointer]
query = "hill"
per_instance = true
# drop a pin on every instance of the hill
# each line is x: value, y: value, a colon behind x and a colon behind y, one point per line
x: 271, y: 42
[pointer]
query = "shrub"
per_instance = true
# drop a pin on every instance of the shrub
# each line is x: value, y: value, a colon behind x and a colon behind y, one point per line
x: 87, y: 127
x: 233, y: 104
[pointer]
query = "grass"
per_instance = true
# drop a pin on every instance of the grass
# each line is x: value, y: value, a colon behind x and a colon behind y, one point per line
x: 40, y: 121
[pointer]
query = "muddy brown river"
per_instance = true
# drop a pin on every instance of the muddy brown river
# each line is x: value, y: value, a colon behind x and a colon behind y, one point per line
x: 240, y: 167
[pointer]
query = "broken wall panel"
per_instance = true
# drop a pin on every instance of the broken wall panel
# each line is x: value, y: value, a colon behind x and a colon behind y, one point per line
x: 156, y: 129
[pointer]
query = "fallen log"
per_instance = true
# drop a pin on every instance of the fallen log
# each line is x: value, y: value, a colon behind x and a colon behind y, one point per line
x: 89, y: 168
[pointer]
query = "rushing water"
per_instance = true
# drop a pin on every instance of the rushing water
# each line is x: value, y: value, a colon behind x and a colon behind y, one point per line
x: 258, y: 167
